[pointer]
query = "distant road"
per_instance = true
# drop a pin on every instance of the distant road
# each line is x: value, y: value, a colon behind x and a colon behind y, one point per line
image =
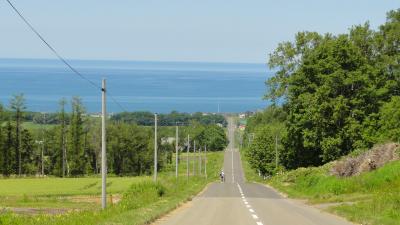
x: 236, y: 202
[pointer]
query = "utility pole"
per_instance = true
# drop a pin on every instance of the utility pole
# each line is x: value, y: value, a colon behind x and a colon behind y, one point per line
x: 103, y: 146
x: 64, y: 153
x: 205, y: 160
x: 43, y: 141
x: 187, y: 157
x: 276, y: 151
x: 42, y: 166
x: 200, y: 161
x: 194, y: 157
x: 176, y: 151
x: 155, y: 147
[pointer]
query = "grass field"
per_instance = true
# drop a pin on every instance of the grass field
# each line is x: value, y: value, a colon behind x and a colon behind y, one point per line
x: 142, y: 200
x: 64, y: 186
x: 64, y: 193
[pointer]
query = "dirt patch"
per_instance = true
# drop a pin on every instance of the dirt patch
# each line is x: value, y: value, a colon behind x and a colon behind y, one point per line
x: 35, y: 211
x: 114, y: 199
x: 370, y: 160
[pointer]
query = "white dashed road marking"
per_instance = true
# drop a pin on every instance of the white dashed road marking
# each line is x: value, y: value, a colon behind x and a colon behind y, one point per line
x: 253, y: 214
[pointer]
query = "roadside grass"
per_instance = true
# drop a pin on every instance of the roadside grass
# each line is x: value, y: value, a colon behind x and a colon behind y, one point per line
x: 143, y: 202
x: 370, y: 198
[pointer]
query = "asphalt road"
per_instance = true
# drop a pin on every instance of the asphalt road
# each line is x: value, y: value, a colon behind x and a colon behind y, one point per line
x: 237, y: 202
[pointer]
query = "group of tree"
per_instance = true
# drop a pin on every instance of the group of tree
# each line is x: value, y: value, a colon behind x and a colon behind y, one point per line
x: 70, y: 145
x: 339, y: 93
x: 170, y: 119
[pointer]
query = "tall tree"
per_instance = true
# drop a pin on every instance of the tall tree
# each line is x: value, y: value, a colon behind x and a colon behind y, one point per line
x: 78, y: 162
x: 1, y: 138
x: 17, y: 104
x: 334, y: 87
x: 63, y: 131
x: 8, y: 146
x: 27, y: 153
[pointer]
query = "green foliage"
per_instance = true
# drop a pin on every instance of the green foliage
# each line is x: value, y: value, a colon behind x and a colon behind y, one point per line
x: 390, y: 119
x: 213, y: 137
x: 264, y: 132
x: 271, y: 115
x: 77, y: 157
x: 71, y: 142
x: 261, y: 153
x: 171, y: 119
x: 336, y: 89
x: 130, y: 150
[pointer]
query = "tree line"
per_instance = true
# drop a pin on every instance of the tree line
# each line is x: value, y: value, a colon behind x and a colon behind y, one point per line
x: 70, y: 145
x: 340, y: 93
x: 170, y: 119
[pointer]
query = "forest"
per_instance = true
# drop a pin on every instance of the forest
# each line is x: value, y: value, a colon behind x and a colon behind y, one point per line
x: 68, y: 143
x: 331, y: 95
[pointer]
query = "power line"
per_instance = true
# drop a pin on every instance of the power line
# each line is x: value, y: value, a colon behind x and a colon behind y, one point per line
x: 59, y: 56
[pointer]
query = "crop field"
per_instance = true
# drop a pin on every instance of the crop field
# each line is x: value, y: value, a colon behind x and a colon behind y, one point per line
x: 64, y: 186
x: 131, y: 200
x: 76, y: 193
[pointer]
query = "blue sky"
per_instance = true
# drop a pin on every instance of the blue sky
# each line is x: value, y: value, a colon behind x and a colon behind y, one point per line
x: 172, y: 30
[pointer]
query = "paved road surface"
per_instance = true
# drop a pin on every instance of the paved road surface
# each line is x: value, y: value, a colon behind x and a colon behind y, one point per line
x: 236, y: 202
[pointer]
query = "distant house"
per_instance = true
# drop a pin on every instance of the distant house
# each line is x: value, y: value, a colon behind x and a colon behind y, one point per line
x: 242, y: 116
x: 242, y: 124
x: 95, y: 115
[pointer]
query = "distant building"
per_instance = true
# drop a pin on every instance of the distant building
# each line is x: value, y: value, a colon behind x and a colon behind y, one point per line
x: 95, y: 115
x: 242, y: 124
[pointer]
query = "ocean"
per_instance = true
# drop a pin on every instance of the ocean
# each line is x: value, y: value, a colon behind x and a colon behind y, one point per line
x: 138, y: 86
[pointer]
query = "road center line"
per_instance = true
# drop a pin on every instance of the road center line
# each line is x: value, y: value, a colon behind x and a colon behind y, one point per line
x: 252, y: 212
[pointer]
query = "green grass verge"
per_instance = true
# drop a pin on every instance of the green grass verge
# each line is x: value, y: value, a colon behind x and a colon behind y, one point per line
x: 370, y: 198
x: 144, y: 201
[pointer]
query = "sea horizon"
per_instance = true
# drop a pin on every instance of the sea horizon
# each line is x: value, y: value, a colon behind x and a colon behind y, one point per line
x: 155, y: 86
